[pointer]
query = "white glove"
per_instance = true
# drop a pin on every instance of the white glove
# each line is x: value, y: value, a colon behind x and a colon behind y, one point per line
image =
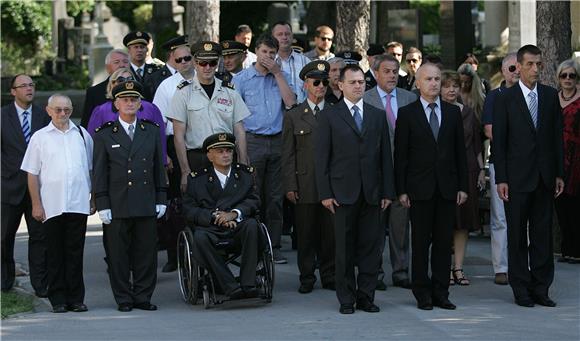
x: 105, y: 216
x: 160, y: 209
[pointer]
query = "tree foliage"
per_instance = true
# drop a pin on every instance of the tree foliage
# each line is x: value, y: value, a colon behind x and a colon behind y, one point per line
x: 24, y: 22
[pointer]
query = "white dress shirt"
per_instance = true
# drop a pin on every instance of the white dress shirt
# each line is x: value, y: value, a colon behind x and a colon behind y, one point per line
x: 62, y: 161
x: 312, y: 105
x: 359, y: 104
x: 126, y: 125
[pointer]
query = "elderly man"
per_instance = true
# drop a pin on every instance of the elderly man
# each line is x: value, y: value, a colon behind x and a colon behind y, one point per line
x: 322, y: 44
x: 313, y: 222
x: 58, y: 162
x: 388, y: 98
x: 96, y: 94
x: 234, y: 54
x: 20, y: 119
x: 129, y: 186
x: 413, y: 58
x: 136, y: 43
x: 333, y: 92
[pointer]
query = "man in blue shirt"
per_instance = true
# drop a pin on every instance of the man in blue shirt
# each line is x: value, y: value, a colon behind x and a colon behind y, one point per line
x: 264, y: 88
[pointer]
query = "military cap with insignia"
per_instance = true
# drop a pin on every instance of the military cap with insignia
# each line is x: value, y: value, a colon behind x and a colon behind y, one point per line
x: 219, y: 140
x: 317, y: 69
x: 375, y: 50
x: 136, y: 37
x: 232, y: 47
x: 128, y: 89
x: 350, y: 57
x: 176, y: 42
x: 206, y: 50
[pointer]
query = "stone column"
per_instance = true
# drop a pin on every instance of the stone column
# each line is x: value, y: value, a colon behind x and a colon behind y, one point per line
x: 496, y: 21
x: 101, y: 47
x: 522, y: 24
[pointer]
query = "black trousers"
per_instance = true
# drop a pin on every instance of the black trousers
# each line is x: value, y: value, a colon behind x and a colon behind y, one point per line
x: 246, y: 236
x: 132, y: 246
x: 37, y: 249
x: 65, y: 236
x: 358, y: 235
x: 569, y: 221
x: 315, y: 240
x: 530, y: 215
x: 432, y: 224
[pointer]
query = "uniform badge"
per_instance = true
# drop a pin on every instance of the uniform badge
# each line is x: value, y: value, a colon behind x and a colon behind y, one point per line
x: 210, y: 178
x: 222, y: 137
x: 226, y: 45
x: 321, y: 67
x: 149, y: 70
x: 347, y: 55
x: 207, y: 47
x: 306, y: 110
x: 115, y: 129
x: 138, y: 34
x: 129, y: 85
x: 236, y: 175
x: 368, y: 79
x: 142, y: 126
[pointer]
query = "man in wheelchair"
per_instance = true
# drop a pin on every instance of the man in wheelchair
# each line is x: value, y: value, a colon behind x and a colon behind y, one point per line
x: 220, y: 204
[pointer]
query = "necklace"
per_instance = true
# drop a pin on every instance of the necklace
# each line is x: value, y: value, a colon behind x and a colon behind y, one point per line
x: 568, y: 98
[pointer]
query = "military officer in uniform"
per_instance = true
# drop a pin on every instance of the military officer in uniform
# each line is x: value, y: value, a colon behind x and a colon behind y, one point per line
x: 313, y: 222
x: 130, y: 186
x: 234, y: 54
x: 203, y: 107
x: 171, y: 67
x: 136, y: 43
x: 220, y: 203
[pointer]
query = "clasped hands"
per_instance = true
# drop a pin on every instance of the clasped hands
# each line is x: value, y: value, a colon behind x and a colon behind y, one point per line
x: 225, y: 219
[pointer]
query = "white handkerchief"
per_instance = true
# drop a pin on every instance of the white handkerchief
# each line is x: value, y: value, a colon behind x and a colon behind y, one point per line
x: 116, y: 146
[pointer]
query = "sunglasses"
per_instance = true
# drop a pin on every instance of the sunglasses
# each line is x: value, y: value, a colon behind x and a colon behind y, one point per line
x: 318, y: 81
x: 412, y: 61
x: 22, y: 86
x: 122, y: 79
x: 183, y: 59
x: 567, y: 75
x: 325, y: 38
x: 203, y: 63
x: 512, y: 68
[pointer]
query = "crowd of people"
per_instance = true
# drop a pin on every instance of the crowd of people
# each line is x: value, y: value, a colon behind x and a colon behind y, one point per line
x: 348, y: 158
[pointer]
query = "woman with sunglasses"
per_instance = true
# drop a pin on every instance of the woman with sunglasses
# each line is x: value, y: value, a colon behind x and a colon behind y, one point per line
x: 568, y: 203
x: 106, y: 112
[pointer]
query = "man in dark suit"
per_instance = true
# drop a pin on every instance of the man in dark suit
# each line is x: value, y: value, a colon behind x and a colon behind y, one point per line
x: 431, y: 178
x: 129, y: 186
x: 96, y: 94
x: 172, y: 65
x: 136, y: 43
x: 388, y: 98
x: 220, y: 203
x: 313, y: 222
x: 354, y: 177
x: 20, y: 120
x: 528, y: 156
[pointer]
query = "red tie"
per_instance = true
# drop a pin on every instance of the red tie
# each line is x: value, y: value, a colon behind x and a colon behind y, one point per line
x: 390, y: 115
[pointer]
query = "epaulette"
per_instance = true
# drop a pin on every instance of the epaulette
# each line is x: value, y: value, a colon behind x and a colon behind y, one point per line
x: 183, y: 84
x: 245, y: 168
x: 229, y: 85
x: 149, y: 121
x: 106, y: 125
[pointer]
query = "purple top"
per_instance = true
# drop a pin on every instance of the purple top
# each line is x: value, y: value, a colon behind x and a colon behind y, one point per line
x: 149, y: 111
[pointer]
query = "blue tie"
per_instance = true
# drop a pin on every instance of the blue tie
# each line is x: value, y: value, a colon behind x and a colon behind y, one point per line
x: 357, y: 117
x: 26, y: 126
x: 533, y: 106
x: 433, y: 121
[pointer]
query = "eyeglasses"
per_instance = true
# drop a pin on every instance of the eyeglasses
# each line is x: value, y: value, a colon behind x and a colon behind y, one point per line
x: 512, y: 68
x: 413, y: 61
x: 203, y: 63
x: 22, y: 86
x: 122, y: 79
x: 318, y: 81
x: 183, y: 59
x: 65, y: 110
x: 325, y: 38
x: 567, y: 75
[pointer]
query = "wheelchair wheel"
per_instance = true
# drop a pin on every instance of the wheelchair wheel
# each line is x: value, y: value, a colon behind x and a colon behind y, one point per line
x: 206, y: 299
x: 265, y: 271
x: 188, y: 270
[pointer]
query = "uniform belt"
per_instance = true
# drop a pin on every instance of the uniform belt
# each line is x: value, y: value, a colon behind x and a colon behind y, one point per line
x: 264, y: 135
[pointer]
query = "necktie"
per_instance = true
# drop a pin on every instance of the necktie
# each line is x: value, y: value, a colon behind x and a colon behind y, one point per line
x: 316, y: 110
x: 26, y: 126
x: 140, y: 72
x: 433, y: 121
x: 357, y: 117
x: 533, y: 106
x: 390, y: 115
x: 131, y: 131
x: 226, y: 182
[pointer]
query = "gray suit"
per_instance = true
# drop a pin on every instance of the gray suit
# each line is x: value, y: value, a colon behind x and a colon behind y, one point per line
x: 398, y: 218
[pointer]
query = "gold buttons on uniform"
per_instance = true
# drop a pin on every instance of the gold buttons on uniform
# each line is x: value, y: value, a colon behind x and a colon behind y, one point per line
x: 130, y: 183
x: 129, y: 171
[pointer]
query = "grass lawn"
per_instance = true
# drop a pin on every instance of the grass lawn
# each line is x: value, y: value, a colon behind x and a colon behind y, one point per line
x: 13, y: 302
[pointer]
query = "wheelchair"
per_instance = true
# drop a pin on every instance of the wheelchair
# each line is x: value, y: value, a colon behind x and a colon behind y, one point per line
x: 197, y: 283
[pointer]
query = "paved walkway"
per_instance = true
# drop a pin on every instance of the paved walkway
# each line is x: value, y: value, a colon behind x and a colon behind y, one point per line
x: 485, y: 311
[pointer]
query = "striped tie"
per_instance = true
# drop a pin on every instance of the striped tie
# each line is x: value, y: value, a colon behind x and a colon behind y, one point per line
x: 533, y: 106
x: 26, y: 126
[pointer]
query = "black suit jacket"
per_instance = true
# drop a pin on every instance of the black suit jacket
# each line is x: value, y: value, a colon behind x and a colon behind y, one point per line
x: 95, y: 96
x: 421, y: 163
x: 348, y: 160
x: 152, y: 82
x: 148, y: 72
x: 205, y: 195
x: 370, y: 80
x: 14, y: 180
x: 523, y: 154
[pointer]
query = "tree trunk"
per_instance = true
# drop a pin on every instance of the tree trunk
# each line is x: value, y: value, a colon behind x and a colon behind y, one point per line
x: 203, y: 20
x: 554, y: 37
x: 352, y: 26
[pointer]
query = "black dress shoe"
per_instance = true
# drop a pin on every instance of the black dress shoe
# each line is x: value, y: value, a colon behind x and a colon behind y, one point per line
x: 329, y: 286
x: 305, y: 288
x: 145, y: 306
x: 444, y: 304
x: 402, y: 283
x: 125, y: 307
x: 368, y: 306
x: 250, y: 292
x: 427, y: 305
x: 59, y: 308
x: 236, y: 294
x: 169, y: 267
x: 346, y: 309
x: 77, y: 307
x: 525, y: 302
x: 543, y: 300
x: 381, y: 285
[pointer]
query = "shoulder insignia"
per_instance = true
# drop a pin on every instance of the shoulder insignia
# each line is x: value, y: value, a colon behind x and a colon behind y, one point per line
x: 106, y: 125
x: 210, y: 178
x: 245, y: 168
x: 183, y: 84
x: 229, y: 85
x: 144, y: 120
x: 236, y: 175
x: 193, y: 174
x: 150, y: 70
